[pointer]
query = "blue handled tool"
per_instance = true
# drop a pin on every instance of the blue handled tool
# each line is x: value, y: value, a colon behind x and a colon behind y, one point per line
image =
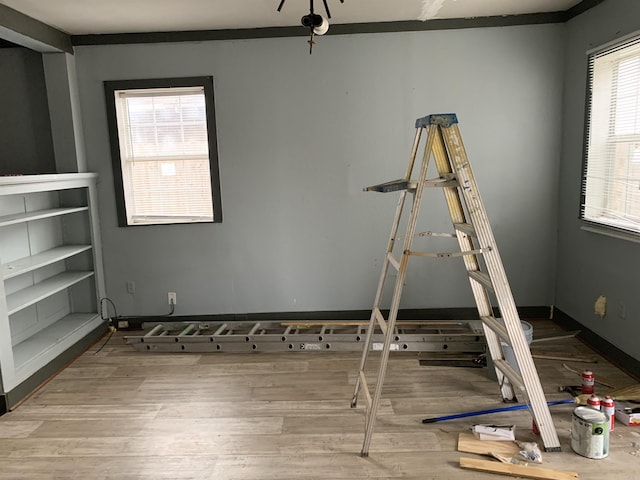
x: 492, y: 410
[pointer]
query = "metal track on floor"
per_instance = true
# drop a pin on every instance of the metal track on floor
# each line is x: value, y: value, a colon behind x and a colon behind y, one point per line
x: 454, y: 336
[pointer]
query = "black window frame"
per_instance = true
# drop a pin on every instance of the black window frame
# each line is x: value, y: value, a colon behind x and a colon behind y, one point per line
x: 615, y: 229
x: 110, y: 87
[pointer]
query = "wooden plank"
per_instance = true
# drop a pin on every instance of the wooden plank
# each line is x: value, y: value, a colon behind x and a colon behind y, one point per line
x: 516, y: 470
x: 469, y: 443
x: 556, y: 337
x: 567, y: 357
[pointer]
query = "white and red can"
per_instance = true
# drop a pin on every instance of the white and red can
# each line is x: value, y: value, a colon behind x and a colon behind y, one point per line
x: 594, y: 401
x: 609, y: 408
x: 588, y: 381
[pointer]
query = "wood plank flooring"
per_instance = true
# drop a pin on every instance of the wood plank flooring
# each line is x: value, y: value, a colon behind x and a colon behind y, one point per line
x: 120, y: 414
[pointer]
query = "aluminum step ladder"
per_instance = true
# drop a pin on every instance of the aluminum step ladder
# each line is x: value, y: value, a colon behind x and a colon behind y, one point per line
x: 443, y: 336
x: 481, y: 258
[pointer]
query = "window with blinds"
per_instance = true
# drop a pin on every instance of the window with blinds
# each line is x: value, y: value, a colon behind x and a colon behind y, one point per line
x: 164, y: 151
x: 611, y: 179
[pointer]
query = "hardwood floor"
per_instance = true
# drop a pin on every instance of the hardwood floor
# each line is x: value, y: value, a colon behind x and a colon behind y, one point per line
x: 120, y: 414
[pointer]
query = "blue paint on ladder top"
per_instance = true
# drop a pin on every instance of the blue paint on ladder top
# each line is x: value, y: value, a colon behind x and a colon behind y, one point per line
x: 442, y: 119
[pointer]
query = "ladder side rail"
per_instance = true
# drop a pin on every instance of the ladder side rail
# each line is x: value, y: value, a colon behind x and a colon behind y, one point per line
x: 385, y: 266
x: 378, y: 298
x: 395, y: 303
x: 506, y: 303
x: 414, y: 154
x: 403, y: 195
x: 365, y: 353
x: 483, y: 302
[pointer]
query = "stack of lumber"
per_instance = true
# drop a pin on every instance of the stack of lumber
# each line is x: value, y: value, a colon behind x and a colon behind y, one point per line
x: 468, y: 443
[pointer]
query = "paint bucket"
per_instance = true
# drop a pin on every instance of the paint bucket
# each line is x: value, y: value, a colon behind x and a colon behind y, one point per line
x: 590, y: 433
x: 509, y: 355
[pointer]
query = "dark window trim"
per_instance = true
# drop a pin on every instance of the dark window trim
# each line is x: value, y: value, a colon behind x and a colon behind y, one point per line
x: 594, y: 226
x: 110, y: 88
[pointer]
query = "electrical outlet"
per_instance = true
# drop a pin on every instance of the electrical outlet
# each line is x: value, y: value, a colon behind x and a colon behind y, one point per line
x: 131, y: 287
x: 600, y: 307
x: 171, y: 298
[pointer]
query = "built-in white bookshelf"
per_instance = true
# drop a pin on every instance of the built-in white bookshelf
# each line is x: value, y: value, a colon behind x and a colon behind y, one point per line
x: 51, y: 267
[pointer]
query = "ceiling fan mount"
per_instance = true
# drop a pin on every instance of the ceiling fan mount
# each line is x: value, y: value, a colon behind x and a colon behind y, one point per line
x: 317, y: 24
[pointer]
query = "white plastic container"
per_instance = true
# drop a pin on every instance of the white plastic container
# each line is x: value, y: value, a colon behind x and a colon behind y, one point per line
x: 509, y: 356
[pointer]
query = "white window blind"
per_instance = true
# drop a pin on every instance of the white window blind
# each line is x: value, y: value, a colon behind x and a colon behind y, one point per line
x: 611, y: 181
x: 164, y: 154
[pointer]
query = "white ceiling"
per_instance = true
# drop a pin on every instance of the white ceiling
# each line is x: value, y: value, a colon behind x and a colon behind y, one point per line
x: 78, y: 17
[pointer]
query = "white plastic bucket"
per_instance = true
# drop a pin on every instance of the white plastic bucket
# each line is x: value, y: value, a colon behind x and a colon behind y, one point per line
x: 509, y: 356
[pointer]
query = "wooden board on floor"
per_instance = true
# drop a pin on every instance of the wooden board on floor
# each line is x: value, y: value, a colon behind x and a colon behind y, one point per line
x: 469, y: 443
x: 566, y: 357
x: 516, y: 470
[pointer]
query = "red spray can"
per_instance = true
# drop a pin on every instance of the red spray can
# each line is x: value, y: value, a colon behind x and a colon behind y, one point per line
x: 609, y: 408
x: 588, y: 381
x: 594, y: 401
x: 534, y: 427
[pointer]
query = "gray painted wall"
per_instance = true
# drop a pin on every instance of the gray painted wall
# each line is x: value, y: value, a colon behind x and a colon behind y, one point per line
x: 591, y: 264
x: 300, y: 136
x: 64, y: 110
x: 25, y: 132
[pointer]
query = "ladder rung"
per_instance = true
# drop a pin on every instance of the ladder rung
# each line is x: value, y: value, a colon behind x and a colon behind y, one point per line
x: 429, y: 234
x: 381, y: 320
x: 187, y: 330
x: 482, y: 278
x: 514, y: 377
x: 496, y: 326
x: 220, y: 330
x: 444, y: 181
x: 465, y: 228
x: 253, y: 329
x: 434, y: 234
x: 448, y: 254
x: 393, y: 261
x: 155, y: 330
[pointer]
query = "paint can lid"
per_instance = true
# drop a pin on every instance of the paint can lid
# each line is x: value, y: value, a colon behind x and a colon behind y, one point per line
x: 590, y: 415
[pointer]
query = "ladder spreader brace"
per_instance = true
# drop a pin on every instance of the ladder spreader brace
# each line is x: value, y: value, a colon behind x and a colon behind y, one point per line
x: 475, y: 241
x: 455, y: 336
